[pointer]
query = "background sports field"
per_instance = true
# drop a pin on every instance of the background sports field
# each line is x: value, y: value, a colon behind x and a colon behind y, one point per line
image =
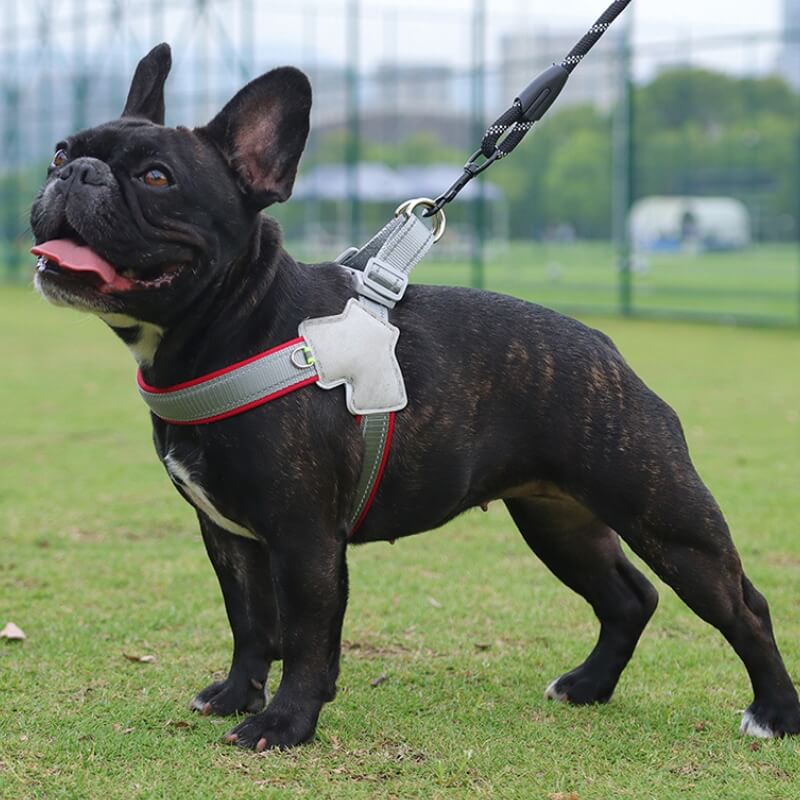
x: 450, y: 637
x: 461, y: 628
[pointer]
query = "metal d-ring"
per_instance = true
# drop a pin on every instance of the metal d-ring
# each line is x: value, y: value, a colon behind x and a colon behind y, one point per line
x: 307, y: 355
x: 439, y: 219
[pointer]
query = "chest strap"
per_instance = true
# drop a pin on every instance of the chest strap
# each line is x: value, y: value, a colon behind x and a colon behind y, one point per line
x: 258, y: 380
x: 234, y: 389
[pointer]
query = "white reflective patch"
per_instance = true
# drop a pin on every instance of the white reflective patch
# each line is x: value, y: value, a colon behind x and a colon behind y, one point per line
x: 357, y: 349
x: 750, y: 727
x: 183, y: 478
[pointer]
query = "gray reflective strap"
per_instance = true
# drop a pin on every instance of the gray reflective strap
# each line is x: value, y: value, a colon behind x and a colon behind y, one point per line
x: 356, y: 258
x: 273, y: 373
x: 404, y: 248
x: 380, y: 269
x: 375, y: 432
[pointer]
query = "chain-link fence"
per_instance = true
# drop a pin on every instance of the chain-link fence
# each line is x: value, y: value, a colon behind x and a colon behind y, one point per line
x: 665, y: 181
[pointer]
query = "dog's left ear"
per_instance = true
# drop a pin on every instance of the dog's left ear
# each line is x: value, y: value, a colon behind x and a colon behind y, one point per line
x: 146, y: 95
x: 262, y: 132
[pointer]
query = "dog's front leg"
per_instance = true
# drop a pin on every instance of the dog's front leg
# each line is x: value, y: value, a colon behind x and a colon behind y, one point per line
x: 310, y: 577
x: 244, y: 574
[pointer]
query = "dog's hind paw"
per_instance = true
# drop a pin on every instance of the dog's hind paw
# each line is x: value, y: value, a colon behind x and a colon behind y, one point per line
x: 750, y: 727
x: 765, y: 725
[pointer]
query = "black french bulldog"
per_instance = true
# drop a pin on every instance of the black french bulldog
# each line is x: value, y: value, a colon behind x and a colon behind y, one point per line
x: 158, y: 231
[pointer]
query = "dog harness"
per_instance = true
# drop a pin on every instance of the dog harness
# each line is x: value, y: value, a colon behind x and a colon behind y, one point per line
x: 355, y: 348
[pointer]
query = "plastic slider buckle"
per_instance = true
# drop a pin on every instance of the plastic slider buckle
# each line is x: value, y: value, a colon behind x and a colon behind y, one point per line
x: 385, y: 283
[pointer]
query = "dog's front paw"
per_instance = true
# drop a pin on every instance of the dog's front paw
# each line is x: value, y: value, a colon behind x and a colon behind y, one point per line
x: 231, y: 696
x: 767, y: 722
x: 273, y: 729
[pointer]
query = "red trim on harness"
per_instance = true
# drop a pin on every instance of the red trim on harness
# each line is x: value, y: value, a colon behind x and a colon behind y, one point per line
x: 203, y: 378
x: 384, y: 458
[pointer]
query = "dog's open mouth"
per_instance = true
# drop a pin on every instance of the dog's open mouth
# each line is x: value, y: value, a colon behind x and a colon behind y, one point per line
x: 83, y: 264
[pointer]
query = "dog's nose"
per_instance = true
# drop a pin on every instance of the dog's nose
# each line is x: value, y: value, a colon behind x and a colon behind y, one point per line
x: 83, y: 170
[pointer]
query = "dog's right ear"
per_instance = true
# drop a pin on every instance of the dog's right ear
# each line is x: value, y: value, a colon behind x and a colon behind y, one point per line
x: 262, y: 132
x: 146, y: 95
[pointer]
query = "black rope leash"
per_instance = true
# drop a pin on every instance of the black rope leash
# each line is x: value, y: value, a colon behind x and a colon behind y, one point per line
x: 511, y: 127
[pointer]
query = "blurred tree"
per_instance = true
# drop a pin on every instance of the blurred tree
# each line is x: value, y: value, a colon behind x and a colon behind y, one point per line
x: 577, y: 183
x: 688, y: 96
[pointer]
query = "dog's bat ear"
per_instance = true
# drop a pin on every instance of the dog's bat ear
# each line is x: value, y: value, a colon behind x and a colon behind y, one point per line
x: 146, y: 95
x: 262, y: 132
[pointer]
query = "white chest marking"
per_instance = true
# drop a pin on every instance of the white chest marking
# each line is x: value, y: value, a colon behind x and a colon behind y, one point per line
x: 144, y: 348
x: 183, y: 478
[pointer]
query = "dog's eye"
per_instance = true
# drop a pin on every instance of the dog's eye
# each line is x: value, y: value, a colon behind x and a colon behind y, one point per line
x: 156, y: 177
x: 60, y: 158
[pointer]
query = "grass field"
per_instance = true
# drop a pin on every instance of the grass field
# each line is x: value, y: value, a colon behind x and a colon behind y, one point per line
x: 100, y: 557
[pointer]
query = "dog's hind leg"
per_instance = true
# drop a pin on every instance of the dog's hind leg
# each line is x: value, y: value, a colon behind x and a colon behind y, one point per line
x: 244, y: 574
x: 681, y: 533
x: 586, y: 555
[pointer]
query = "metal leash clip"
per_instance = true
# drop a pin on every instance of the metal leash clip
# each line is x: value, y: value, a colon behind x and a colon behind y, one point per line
x: 439, y: 219
x: 471, y: 169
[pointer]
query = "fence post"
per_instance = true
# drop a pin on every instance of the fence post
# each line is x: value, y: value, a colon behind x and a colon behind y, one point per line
x: 478, y: 125
x: 12, y: 196
x: 10, y: 189
x: 797, y: 219
x: 624, y: 168
x: 353, y: 154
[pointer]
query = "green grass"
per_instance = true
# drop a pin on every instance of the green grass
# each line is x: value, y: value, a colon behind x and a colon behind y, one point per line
x: 100, y: 556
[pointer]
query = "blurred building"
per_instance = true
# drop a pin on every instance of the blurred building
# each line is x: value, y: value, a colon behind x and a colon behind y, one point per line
x: 524, y: 54
x: 396, y: 101
x: 329, y: 89
x: 789, y: 64
x: 420, y: 88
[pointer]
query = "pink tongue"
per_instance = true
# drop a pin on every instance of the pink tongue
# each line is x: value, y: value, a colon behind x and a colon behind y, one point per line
x: 79, y: 258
